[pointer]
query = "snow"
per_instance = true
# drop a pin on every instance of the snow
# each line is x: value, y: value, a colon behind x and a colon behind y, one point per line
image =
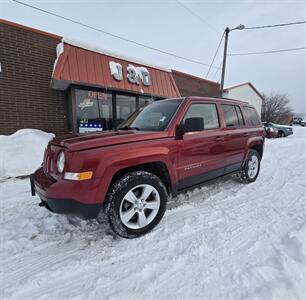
x: 22, y: 152
x: 111, y: 53
x: 59, y: 52
x: 224, y: 241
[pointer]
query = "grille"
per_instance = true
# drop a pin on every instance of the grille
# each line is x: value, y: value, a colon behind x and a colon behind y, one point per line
x: 46, y: 161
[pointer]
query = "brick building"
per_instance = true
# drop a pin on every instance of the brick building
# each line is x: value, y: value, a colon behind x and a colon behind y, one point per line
x: 193, y: 85
x: 60, y: 86
x: 26, y: 100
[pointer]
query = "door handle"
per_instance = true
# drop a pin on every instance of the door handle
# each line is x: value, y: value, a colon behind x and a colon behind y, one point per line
x: 245, y: 134
x: 219, y: 138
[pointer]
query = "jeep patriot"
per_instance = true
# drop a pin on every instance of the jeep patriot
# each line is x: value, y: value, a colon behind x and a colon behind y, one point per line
x: 160, y: 150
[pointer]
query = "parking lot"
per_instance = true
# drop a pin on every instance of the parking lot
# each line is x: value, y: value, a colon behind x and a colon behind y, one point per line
x: 249, y: 239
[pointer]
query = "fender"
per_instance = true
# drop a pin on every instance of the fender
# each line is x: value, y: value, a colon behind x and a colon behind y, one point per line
x: 112, y: 163
x: 258, y: 140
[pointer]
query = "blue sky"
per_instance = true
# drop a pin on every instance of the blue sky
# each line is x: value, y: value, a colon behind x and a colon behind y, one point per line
x: 169, y: 26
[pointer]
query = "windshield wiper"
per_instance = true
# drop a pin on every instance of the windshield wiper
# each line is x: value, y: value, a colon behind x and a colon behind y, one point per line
x: 128, y: 128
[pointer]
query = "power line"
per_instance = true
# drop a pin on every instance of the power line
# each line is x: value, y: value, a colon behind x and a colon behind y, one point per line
x: 276, y: 25
x: 215, y: 54
x: 217, y: 71
x: 265, y: 52
x: 206, y: 23
x: 114, y: 35
x: 197, y: 16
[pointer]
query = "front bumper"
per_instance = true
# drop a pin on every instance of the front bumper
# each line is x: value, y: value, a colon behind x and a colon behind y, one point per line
x: 53, y: 196
x: 70, y: 207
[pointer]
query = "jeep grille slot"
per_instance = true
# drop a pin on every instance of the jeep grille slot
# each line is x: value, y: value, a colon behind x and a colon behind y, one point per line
x: 45, y: 161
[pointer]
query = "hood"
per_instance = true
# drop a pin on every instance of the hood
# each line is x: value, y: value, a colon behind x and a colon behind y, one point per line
x: 82, y: 141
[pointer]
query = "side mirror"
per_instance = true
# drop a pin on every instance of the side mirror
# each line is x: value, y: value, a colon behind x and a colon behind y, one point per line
x: 194, y: 124
x: 179, y: 131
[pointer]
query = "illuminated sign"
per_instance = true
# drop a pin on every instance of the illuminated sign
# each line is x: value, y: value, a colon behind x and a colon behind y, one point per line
x: 86, y: 103
x: 99, y: 95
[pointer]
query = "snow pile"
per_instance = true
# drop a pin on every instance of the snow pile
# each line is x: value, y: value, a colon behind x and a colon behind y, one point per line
x: 225, y: 241
x: 22, y: 152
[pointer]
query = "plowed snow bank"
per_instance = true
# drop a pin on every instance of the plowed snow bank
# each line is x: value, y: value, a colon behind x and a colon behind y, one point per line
x: 22, y: 152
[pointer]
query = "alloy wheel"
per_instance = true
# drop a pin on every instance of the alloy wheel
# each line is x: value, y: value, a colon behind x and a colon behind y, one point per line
x: 139, y: 206
x: 253, y: 165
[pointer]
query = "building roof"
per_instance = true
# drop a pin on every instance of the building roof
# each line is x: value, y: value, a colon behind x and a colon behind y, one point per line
x: 112, y: 53
x: 81, y: 63
x: 242, y: 84
x: 83, y: 66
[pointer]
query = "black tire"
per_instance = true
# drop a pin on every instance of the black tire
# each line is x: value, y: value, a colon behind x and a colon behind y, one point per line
x: 281, y: 134
x: 116, y: 195
x: 244, y: 175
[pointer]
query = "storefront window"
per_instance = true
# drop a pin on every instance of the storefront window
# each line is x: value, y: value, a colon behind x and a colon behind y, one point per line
x: 93, y: 110
x: 144, y: 101
x: 125, y: 106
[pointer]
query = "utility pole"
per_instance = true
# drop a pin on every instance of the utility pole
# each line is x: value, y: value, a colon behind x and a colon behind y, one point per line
x: 227, y: 30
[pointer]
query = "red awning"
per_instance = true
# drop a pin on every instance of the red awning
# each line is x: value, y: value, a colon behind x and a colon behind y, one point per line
x: 87, y: 67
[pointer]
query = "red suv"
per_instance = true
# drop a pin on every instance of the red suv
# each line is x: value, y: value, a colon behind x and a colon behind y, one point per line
x: 160, y: 150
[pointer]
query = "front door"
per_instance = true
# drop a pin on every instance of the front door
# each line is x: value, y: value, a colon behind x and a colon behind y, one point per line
x: 201, y: 150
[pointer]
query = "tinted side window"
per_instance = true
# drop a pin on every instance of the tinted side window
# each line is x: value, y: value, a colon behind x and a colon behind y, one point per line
x: 252, y: 116
x: 231, y: 116
x: 240, y: 117
x: 206, y: 111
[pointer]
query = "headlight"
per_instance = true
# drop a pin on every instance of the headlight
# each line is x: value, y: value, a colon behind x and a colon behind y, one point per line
x: 60, y: 162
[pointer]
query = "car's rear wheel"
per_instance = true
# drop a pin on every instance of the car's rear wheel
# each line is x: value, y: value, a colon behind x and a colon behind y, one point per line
x: 135, y: 204
x: 281, y: 134
x: 251, y: 167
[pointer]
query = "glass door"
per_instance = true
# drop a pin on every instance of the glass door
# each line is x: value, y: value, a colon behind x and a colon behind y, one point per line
x: 125, y: 106
x: 93, y: 110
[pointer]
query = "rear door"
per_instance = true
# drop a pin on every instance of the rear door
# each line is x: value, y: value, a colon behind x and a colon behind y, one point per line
x: 255, y: 127
x: 236, y: 136
x: 200, y: 156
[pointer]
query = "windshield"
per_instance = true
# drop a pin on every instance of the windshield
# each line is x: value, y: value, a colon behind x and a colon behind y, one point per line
x: 154, y: 117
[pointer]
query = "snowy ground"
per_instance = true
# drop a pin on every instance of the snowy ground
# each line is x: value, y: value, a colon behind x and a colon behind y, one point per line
x: 224, y: 241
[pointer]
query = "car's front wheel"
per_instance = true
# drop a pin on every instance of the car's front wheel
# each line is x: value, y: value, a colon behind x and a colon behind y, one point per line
x: 135, y: 204
x: 250, y: 168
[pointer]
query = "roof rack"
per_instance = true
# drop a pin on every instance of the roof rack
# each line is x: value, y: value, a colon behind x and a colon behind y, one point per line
x: 230, y: 99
